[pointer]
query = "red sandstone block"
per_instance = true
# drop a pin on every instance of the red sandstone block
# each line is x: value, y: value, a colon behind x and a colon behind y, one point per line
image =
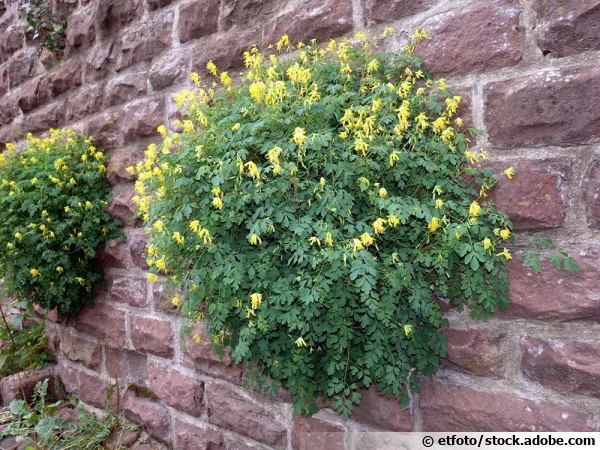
x: 64, y: 8
x: 105, y: 129
x: 81, y: 351
x: 98, y: 60
x: 381, y: 412
x: 114, y: 14
x: 127, y: 365
x: 12, y: 39
x: 385, y: 11
x: 139, y: 252
x: 554, y: 295
x: 245, y: 12
x: 171, y: 68
x: 191, y: 437
x: 128, y: 290
x: 23, y: 67
x: 538, y: 110
x: 567, y: 27
x: 534, y: 199
x: 33, y: 94
x: 569, y: 367
x: 93, y: 390
x: 198, y: 18
x: 10, y: 108
x: 84, y: 103
x: 177, y: 389
x: 125, y: 87
x: 119, y: 162
x: 454, y: 408
x: 316, y: 434
x: 115, y: 254
x: 162, y: 300
x: 479, y: 352
x: 156, y: 4
x: 67, y: 76
x: 230, y: 409
x: 592, y: 196
x: 122, y: 207
x: 315, y: 19
x: 104, y: 322
x: 13, y: 386
x: 81, y: 32
x: 152, y: 336
x: 141, y: 119
x: 483, y: 37
x: 49, y: 116
x: 145, y: 411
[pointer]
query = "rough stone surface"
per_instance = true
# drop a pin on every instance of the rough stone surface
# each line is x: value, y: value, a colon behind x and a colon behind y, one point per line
x: 141, y: 119
x: 479, y: 352
x: 129, y: 290
x: 483, y: 37
x: 592, y: 195
x: 385, y: 10
x: 24, y: 67
x: 190, y: 437
x: 105, y: 129
x: 198, y: 18
x: 10, y: 109
x: 172, y: 68
x: 85, y: 102
x: 534, y: 198
x: 315, y: 19
x: 569, y: 367
x: 156, y: 4
x: 547, y: 108
x: 177, y: 389
x: 10, y: 387
x: 381, y: 412
x: 115, y: 254
x: 125, y: 87
x: 126, y: 365
x: 81, y: 351
x: 33, y: 94
x: 104, y: 322
x: 138, y: 249
x: 145, y: 40
x: 229, y: 409
x: 66, y: 77
x: 556, y: 296
x: 98, y: 61
x: 316, y: 434
x: 93, y: 390
x: 122, y: 207
x: 567, y: 27
x: 244, y: 12
x: 113, y: 14
x: 149, y: 413
x: 49, y: 116
x: 161, y: 300
x: 451, y: 408
x: 152, y: 336
x: 81, y: 32
x: 119, y: 162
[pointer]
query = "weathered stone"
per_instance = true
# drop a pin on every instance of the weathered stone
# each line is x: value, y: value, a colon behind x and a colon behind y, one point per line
x: 156, y: 4
x: 69, y: 377
x: 119, y: 439
x: 143, y: 118
x: 151, y: 414
x: 115, y: 254
x: 316, y: 434
x: 483, y: 37
x: 24, y: 67
x: 12, y: 39
x: 98, y: 61
x: 53, y: 334
x: 453, y: 408
x: 138, y: 250
x: 206, y: 360
x: 198, y: 18
x: 14, y: 386
x: 119, y: 162
x: 569, y: 367
x: 381, y: 412
x: 105, y: 129
x: 125, y: 87
x: 93, y: 390
x: 3, y: 80
x: 230, y: 409
x: 67, y: 76
x: 144, y: 40
x: 547, y: 108
x: 10, y: 109
x: 479, y: 352
x: 592, y: 195
x: 81, y: 32
x: 225, y: 50
x: 126, y: 365
x: 113, y: 14
x: 315, y: 19
x: 191, y: 437
x: 162, y: 300
x: 177, y: 389
x: 152, y: 336
x: 244, y: 12
x: 534, y: 198
x: 385, y: 10
x: 104, y: 322
x: 122, y: 207
x: 170, y: 69
x: 33, y: 94
x: 49, y: 116
x: 129, y: 290
x: 567, y: 27
x: 64, y: 8
x: 556, y: 296
x: 81, y: 351
x: 84, y: 103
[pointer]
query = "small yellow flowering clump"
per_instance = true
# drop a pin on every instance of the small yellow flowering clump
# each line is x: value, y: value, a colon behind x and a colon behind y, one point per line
x: 34, y: 273
x: 383, y: 193
x: 357, y: 245
x: 434, y: 224
x: 178, y: 238
x: 255, y: 239
x: 80, y: 280
x: 19, y: 236
x: 152, y: 278
x: 439, y: 203
x: 60, y: 270
x: 367, y: 240
x: 487, y: 244
x: 474, y: 209
x: 300, y: 342
x: 299, y: 137
x: 158, y: 226
x: 505, y: 234
x: 212, y: 68
x: 253, y: 170
x: 510, y: 172
x: 175, y: 302
x: 329, y: 239
x: 378, y: 226
x: 197, y: 339
x: 256, y: 300
x: 407, y: 330
x: 393, y: 221
x: 313, y: 240
x: 506, y: 254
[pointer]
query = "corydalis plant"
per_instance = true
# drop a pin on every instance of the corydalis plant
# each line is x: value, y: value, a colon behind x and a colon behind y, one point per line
x: 312, y: 215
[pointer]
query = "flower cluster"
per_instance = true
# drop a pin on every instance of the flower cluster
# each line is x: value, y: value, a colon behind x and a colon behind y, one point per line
x: 53, y: 220
x: 313, y: 214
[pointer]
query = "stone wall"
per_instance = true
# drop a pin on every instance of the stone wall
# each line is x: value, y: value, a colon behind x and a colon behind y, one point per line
x: 529, y: 71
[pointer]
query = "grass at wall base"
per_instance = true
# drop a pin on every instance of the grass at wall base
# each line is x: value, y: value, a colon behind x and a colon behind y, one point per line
x: 312, y: 216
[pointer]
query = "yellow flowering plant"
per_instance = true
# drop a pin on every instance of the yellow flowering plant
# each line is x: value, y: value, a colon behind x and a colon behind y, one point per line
x: 315, y: 214
x: 53, y: 220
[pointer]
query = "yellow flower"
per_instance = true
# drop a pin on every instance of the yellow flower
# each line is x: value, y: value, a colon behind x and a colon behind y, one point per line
x: 158, y: 226
x: 80, y: 280
x: 506, y: 254
x: 19, y: 236
x: 439, y: 203
x: 162, y: 131
x: 179, y: 238
x: 197, y: 339
x: 88, y: 205
x: 212, y: 68
x: 367, y: 239
x: 10, y: 246
x: 437, y: 190
x: 217, y: 203
x: 188, y: 127
x: 225, y: 79
x: 329, y: 240
x: 373, y: 66
x: 256, y: 300
x: 253, y: 170
x: 300, y: 342
x: 434, y: 224
x: 299, y: 137
x: 487, y: 244
x: 393, y: 221
x: 203, y: 233
x: 195, y: 225
x: 378, y: 226
x: 459, y: 122
x: 84, y: 158
x: 383, y: 193
x: 255, y: 239
x: 504, y: 234
x: 235, y: 127
x: 60, y: 270
x: 314, y: 240
x: 357, y: 245
x: 34, y: 273
x: 34, y: 180
x: 323, y: 182
x: 175, y: 302
x: 393, y: 158
x: 407, y: 329
x: 474, y: 209
x: 67, y: 209
x: 283, y: 42
x: 152, y: 278
x: 510, y: 172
